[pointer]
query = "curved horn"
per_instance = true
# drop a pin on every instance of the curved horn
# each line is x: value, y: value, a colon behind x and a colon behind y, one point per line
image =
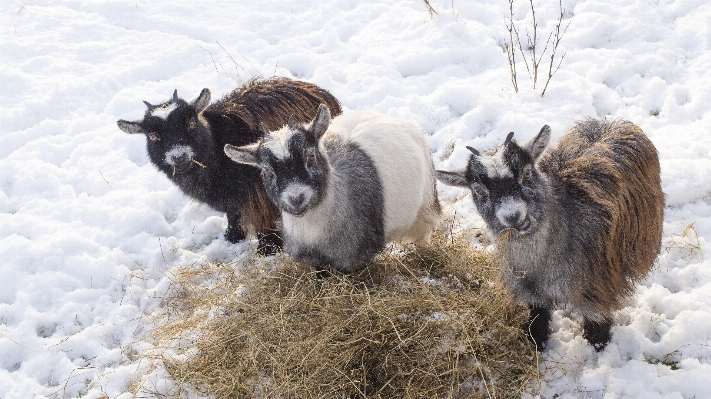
x: 175, y: 95
x: 508, y: 139
x: 475, y: 152
x: 149, y: 105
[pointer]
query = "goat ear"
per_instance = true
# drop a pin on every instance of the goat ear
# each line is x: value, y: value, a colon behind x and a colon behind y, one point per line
x: 456, y: 178
x: 130, y: 127
x: 246, y: 154
x: 265, y: 129
x: 538, y: 144
x: 320, y: 124
x: 290, y: 122
x: 202, y: 101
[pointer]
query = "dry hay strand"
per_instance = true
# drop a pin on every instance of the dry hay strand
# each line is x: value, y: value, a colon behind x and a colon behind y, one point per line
x: 430, y: 322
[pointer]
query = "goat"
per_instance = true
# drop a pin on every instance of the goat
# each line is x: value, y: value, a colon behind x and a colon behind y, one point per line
x: 186, y: 141
x: 583, y: 224
x: 347, y: 188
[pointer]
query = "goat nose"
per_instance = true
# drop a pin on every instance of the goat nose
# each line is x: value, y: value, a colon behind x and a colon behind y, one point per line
x: 297, y: 200
x: 512, y: 219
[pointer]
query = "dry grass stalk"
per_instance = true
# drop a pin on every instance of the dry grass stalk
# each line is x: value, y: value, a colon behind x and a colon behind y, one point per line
x: 431, y: 9
x: 427, y: 323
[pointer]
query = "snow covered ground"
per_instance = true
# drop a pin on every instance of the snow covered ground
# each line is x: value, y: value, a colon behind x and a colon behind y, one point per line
x: 88, y: 228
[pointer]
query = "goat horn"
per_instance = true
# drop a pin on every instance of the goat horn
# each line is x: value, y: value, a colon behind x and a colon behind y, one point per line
x: 475, y: 152
x: 175, y: 95
x: 508, y: 139
x: 149, y: 105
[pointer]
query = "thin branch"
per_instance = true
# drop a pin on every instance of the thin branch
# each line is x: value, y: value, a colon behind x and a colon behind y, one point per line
x: 556, y: 41
x: 430, y: 9
x: 510, y: 49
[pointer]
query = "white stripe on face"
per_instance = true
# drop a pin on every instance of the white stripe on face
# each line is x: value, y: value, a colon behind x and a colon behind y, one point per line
x: 509, y: 208
x: 495, y: 165
x: 278, y: 142
x: 178, y: 151
x: 163, y: 112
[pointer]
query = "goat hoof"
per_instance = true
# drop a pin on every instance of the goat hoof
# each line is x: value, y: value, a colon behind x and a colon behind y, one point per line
x: 597, y: 333
x: 234, y: 236
x: 269, y: 244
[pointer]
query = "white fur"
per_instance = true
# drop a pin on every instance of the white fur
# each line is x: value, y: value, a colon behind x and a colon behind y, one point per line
x: 402, y: 157
x: 495, y: 165
x: 510, y: 206
x: 177, y: 152
x: 277, y: 142
x: 309, y: 228
x: 163, y: 112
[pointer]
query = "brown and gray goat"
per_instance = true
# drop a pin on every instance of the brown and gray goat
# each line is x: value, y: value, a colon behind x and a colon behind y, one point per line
x: 582, y: 224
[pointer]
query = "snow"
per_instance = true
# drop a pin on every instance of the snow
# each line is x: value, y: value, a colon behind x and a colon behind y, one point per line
x: 89, y: 228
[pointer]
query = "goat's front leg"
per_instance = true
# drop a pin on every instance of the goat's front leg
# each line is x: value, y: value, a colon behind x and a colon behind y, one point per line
x: 539, y: 325
x: 234, y: 232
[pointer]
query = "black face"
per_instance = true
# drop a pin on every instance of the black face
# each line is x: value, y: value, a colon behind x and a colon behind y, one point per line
x: 177, y: 141
x: 507, y: 189
x: 295, y: 179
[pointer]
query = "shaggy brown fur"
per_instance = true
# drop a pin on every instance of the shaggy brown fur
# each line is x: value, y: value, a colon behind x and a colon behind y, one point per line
x: 272, y: 101
x: 614, y: 170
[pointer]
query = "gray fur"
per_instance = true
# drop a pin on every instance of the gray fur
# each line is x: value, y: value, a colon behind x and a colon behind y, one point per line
x: 576, y: 197
x: 332, y: 191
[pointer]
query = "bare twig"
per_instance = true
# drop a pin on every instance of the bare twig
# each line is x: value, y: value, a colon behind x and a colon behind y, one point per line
x: 430, y: 9
x: 532, y: 41
x: 556, y: 41
x: 510, y: 50
x: 531, y: 44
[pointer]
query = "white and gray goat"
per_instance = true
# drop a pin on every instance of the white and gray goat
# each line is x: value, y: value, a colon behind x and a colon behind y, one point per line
x: 583, y: 223
x: 347, y: 187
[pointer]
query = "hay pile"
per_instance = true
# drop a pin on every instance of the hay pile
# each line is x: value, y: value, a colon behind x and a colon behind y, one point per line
x: 427, y: 323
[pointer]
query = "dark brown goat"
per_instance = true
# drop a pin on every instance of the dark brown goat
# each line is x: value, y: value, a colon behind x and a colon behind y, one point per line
x: 584, y: 224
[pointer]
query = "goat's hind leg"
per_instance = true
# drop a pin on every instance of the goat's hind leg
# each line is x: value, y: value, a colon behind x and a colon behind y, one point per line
x: 597, y: 332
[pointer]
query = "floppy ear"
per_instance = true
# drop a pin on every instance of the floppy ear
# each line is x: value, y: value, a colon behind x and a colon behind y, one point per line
x: 456, y: 178
x: 246, y: 154
x: 320, y: 124
x: 202, y: 101
x: 131, y: 127
x: 538, y: 144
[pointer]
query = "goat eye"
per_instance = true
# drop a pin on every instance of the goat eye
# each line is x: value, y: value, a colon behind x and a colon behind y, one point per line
x: 153, y: 136
x: 479, y: 190
x: 310, y: 158
x: 268, y: 174
x: 191, y: 124
x: 526, y: 174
